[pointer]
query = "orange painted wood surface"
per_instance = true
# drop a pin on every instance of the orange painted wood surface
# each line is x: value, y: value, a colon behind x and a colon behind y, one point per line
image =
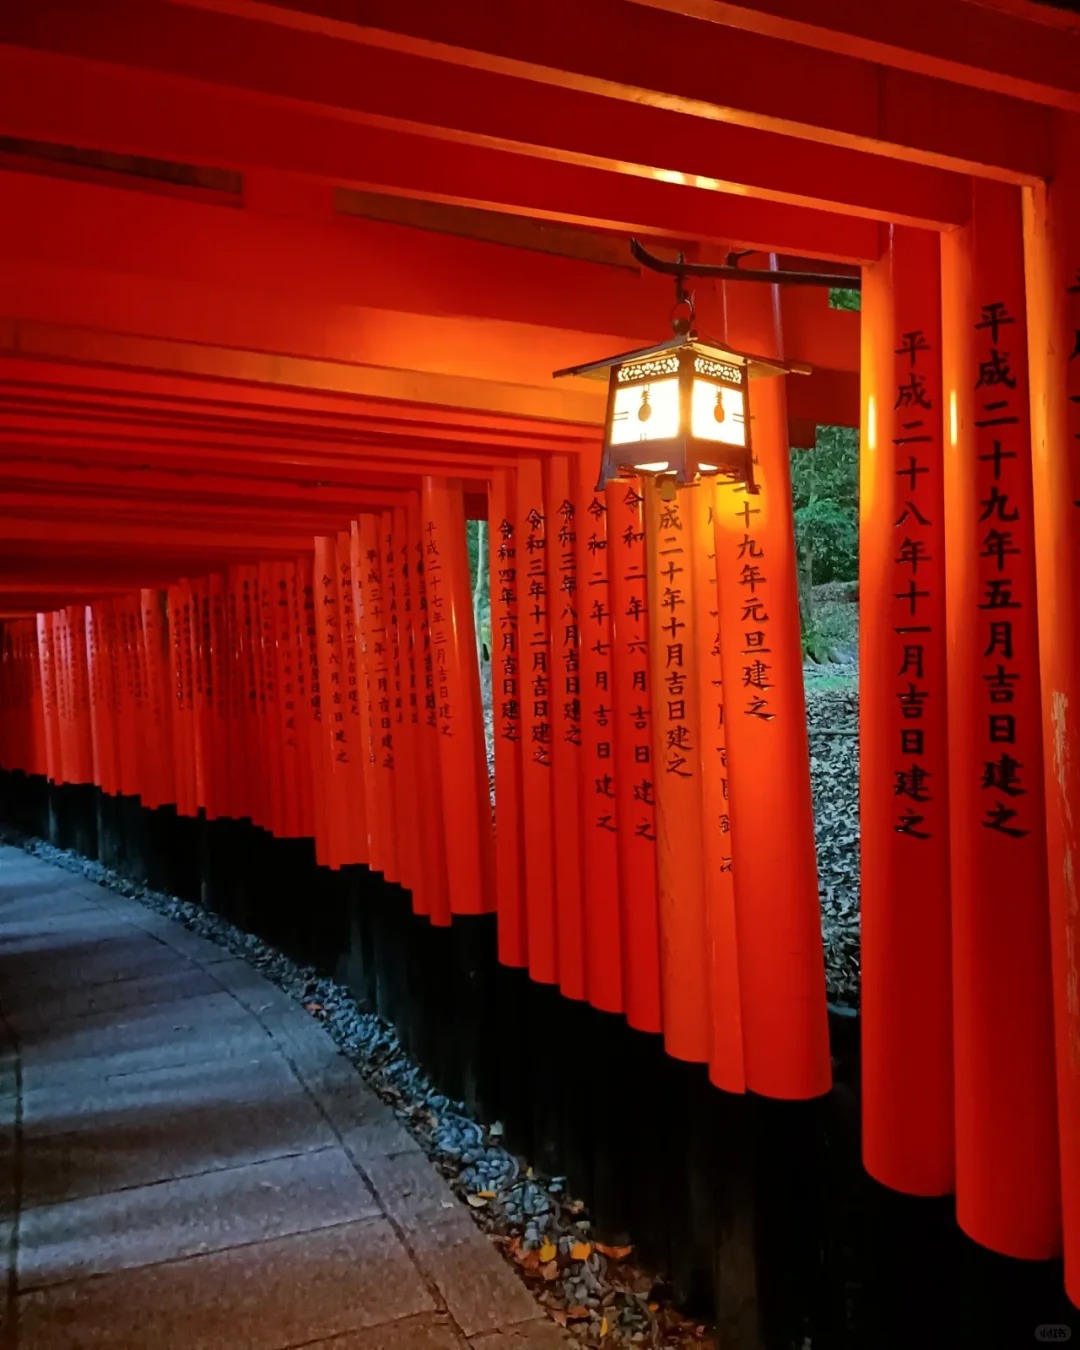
x: 908, y: 1138
x: 600, y: 821
x: 726, y: 1059
x: 462, y: 757
x: 671, y: 546
x: 564, y: 714
x: 507, y: 691
x: 1007, y: 1176
x: 781, y: 965
x: 1052, y: 251
x: 633, y: 755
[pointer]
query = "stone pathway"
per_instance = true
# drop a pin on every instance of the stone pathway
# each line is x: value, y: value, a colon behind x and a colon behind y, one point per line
x: 188, y: 1163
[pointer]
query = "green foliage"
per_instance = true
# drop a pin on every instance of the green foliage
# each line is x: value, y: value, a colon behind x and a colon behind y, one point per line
x: 817, y: 646
x: 828, y: 628
x: 476, y: 540
x: 843, y: 298
x: 825, y: 493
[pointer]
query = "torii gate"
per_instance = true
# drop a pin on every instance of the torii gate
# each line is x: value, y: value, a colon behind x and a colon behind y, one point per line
x: 934, y: 145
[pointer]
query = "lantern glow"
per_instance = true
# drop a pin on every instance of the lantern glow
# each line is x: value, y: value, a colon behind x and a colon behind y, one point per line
x: 680, y: 410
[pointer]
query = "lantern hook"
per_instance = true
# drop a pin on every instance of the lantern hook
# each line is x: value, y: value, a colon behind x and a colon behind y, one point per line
x: 682, y: 312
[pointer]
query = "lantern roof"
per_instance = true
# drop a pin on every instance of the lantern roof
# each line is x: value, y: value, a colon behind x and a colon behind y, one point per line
x: 756, y: 365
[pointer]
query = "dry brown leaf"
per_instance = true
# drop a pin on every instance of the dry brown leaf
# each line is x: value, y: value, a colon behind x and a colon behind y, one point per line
x: 550, y: 1271
x: 530, y: 1260
x: 477, y: 1201
x: 653, y: 1307
x: 603, y: 1326
x: 581, y: 1251
x: 548, y: 1252
x: 614, y: 1253
x: 486, y: 1195
x: 577, y: 1312
x: 559, y: 1316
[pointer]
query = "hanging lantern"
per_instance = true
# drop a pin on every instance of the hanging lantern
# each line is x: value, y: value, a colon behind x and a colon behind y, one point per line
x: 680, y: 410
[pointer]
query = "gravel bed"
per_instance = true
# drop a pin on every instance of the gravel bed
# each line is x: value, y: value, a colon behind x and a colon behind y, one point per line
x: 596, y: 1291
x: 832, y: 715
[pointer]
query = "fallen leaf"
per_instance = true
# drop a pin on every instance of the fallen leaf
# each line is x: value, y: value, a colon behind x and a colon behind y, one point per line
x: 614, y: 1253
x: 486, y: 1195
x: 653, y: 1307
x: 581, y: 1251
x: 550, y: 1271
x: 477, y: 1201
x: 577, y: 1311
x: 603, y: 1326
x: 559, y: 1316
x: 530, y: 1260
x: 548, y: 1252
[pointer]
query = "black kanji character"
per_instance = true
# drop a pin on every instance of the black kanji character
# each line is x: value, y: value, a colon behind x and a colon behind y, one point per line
x: 912, y: 783
x: 1003, y: 775
x: 998, y: 817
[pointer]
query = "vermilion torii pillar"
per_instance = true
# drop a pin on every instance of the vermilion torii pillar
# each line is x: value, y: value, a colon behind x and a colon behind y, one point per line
x: 906, y: 1000
x: 1052, y: 245
x: 1007, y: 1179
x: 777, y: 913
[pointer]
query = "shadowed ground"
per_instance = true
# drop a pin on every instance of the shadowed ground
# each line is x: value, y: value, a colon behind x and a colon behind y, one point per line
x: 188, y: 1163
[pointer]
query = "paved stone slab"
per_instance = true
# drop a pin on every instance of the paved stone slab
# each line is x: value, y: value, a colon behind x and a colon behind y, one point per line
x: 431, y: 1331
x: 178, y: 938
x: 125, y: 958
x: 266, y: 1296
x: 194, y: 1046
x: 539, y: 1334
x: 16, y: 910
x: 409, y: 1188
x: 378, y: 1138
x: 252, y: 989
x: 81, y: 1104
x: 343, y: 1096
x: 57, y: 1007
x: 46, y: 929
x: 9, y: 1159
x: 150, y: 1224
x: 214, y: 1118
x: 481, y: 1292
x: 196, y: 1154
x: 136, y: 1027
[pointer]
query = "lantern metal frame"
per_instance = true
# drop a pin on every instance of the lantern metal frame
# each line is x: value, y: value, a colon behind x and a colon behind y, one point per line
x: 686, y: 457
x: 689, y: 356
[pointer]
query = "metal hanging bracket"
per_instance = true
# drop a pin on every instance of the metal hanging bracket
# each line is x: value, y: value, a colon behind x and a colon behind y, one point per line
x: 731, y: 271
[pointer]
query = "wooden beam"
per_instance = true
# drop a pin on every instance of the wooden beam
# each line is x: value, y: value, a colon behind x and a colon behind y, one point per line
x: 161, y: 538
x: 75, y: 254
x: 1030, y: 55
x: 276, y: 415
x: 609, y: 166
x: 67, y: 343
x: 625, y: 52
